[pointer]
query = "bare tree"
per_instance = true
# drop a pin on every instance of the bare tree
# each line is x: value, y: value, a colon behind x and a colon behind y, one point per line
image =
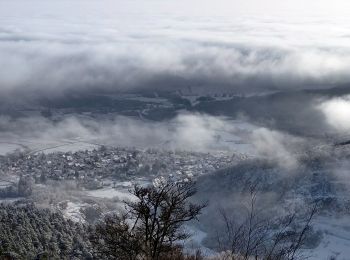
x: 152, y: 226
x: 112, y: 239
x: 259, y: 237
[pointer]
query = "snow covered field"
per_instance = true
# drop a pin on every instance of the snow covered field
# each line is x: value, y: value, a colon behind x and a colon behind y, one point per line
x: 110, y: 193
x: 44, y: 145
x: 336, y: 238
x: 8, y: 147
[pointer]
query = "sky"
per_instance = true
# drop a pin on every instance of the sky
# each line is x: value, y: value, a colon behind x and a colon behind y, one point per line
x: 51, y: 47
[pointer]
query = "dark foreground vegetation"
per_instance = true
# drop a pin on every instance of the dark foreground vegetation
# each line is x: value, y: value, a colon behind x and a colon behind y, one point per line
x: 27, y: 232
x: 151, y: 227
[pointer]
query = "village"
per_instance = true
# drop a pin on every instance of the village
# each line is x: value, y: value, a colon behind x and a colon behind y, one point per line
x: 93, y: 169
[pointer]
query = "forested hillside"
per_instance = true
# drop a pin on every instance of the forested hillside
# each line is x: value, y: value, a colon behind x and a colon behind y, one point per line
x: 27, y: 232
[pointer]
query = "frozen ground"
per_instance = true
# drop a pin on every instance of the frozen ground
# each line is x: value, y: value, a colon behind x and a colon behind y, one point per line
x: 8, y: 147
x: 44, y: 145
x: 109, y: 193
x: 195, y: 242
x: 72, y: 211
x: 335, y: 241
x: 336, y: 238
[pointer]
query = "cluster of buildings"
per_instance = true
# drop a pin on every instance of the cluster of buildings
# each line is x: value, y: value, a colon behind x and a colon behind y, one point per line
x: 91, y: 168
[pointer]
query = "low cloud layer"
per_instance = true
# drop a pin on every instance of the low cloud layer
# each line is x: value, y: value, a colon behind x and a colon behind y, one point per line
x: 56, y: 47
x: 192, y: 132
x: 277, y: 147
x: 186, y: 131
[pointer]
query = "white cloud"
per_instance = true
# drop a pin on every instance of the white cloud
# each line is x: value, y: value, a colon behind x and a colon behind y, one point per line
x: 194, y: 132
x: 60, y: 45
x: 276, y: 147
x: 337, y: 113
